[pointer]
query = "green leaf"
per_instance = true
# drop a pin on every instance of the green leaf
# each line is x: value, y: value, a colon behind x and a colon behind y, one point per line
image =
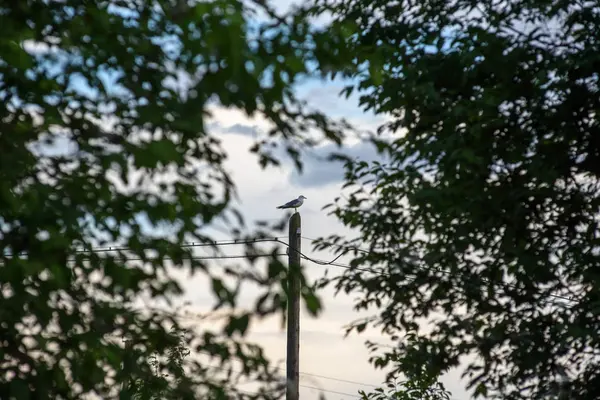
x: 237, y: 325
x: 313, y: 303
x: 481, y: 390
x: 19, y: 389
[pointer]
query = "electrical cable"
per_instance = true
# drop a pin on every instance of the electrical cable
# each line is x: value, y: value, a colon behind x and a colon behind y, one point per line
x: 473, y: 284
x: 215, y: 243
x: 338, y: 245
x: 223, y: 257
x: 304, y: 256
x: 317, y: 375
x: 321, y: 262
x: 301, y: 373
x: 310, y: 387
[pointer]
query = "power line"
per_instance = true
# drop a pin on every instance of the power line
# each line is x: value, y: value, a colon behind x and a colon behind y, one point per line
x: 310, y: 387
x: 278, y: 240
x: 338, y: 379
x: 211, y: 243
x: 216, y: 243
x: 375, y: 272
x: 505, y: 284
x: 323, y: 262
x: 330, y: 391
x: 319, y: 376
x: 223, y: 257
x: 301, y: 373
x: 339, y: 245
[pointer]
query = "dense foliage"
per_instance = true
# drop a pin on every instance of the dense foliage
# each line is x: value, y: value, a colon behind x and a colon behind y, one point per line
x: 103, y: 142
x: 417, y: 387
x: 156, y: 387
x: 483, y: 221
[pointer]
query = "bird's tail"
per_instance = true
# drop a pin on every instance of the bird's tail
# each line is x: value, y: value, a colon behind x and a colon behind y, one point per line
x: 279, y: 207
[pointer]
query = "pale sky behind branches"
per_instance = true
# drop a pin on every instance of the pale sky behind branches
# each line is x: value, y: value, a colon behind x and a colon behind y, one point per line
x: 323, y: 349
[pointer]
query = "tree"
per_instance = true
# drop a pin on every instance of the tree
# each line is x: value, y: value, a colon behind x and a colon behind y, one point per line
x: 418, y: 384
x: 104, y: 143
x: 158, y: 387
x: 483, y: 217
x: 416, y: 388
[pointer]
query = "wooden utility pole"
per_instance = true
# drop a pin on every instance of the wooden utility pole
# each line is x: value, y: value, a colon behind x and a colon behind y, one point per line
x: 293, y: 312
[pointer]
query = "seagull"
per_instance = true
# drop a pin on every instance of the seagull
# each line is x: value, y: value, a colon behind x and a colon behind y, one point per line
x: 294, y: 203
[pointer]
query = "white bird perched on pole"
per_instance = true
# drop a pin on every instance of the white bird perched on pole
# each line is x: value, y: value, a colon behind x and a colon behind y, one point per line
x: 294, y: 203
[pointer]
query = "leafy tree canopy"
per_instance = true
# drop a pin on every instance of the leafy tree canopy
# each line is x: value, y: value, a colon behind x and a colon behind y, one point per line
x: 417, y: 384
x: 157, y: 386
x: 102, y: 126
x: 483, y: 218
x: 414, y: 388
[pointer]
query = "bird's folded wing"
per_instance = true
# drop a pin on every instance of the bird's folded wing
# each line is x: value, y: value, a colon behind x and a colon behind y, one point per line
x: 290, y: 203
